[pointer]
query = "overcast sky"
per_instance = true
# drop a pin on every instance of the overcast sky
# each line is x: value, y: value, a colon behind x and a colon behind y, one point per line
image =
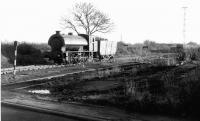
x: 135, y: 20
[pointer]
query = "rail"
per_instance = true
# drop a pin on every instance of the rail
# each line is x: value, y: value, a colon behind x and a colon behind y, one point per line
x: 29, y: 68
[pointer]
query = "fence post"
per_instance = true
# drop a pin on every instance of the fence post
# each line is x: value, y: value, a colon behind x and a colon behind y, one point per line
x: 15, y: 59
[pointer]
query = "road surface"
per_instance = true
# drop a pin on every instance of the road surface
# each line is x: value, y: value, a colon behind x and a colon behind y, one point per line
x: 9, y: 113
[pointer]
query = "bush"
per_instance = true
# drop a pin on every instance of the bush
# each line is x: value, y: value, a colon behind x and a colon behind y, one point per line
x: 193, y: 53
x: 129, y: 49
x: 181, y: 56
x: 7, y: 50
x: 27, y: 54
x: 177, y: 95
x: 121, y: 49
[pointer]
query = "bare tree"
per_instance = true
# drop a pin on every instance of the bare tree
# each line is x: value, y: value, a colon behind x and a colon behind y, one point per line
x: 88, y: 18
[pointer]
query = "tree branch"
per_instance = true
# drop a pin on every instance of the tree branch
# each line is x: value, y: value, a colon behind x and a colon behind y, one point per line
x: 70, y: 25
x: 89, y: 19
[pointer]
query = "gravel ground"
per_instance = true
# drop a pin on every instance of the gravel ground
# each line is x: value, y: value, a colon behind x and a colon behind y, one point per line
x: 34, y: 74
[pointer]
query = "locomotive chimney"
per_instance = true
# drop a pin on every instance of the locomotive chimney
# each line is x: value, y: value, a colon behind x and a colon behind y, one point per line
x: 70, y: 33
x: 57, y: 32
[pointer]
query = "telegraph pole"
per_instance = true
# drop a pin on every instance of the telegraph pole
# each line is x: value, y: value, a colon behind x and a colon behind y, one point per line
x: 15, y: 59
x: 184, y: 24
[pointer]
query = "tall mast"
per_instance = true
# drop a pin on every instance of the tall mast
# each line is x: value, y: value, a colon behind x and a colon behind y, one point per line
x: 184, y: 24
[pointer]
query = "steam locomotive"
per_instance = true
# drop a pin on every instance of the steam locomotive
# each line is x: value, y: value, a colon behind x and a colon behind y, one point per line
x: 69, y: 48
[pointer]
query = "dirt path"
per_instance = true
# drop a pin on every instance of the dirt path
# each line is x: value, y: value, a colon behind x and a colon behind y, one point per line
x: 82, y: 111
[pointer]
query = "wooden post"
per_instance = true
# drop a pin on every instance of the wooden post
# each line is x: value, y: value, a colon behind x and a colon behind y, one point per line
x: 15, y: 59
x: 92, y: 44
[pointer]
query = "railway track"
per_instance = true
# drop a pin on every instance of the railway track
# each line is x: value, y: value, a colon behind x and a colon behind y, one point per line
x: 40, y: 80
x: 36, y: 81
x: 39, y: 67
x: 29, y: 68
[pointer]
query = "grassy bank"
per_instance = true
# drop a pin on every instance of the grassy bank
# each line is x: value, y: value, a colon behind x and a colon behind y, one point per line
x: 156, y: 90
x: 175, y: 92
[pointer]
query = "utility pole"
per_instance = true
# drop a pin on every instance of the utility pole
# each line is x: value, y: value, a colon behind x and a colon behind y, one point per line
x: 184, y: 24
x: 15, y: 59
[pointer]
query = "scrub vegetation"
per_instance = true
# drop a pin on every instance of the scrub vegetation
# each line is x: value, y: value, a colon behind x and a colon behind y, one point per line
x: 33, y: 53
x: 27, y: 54
x: 158, y: 90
